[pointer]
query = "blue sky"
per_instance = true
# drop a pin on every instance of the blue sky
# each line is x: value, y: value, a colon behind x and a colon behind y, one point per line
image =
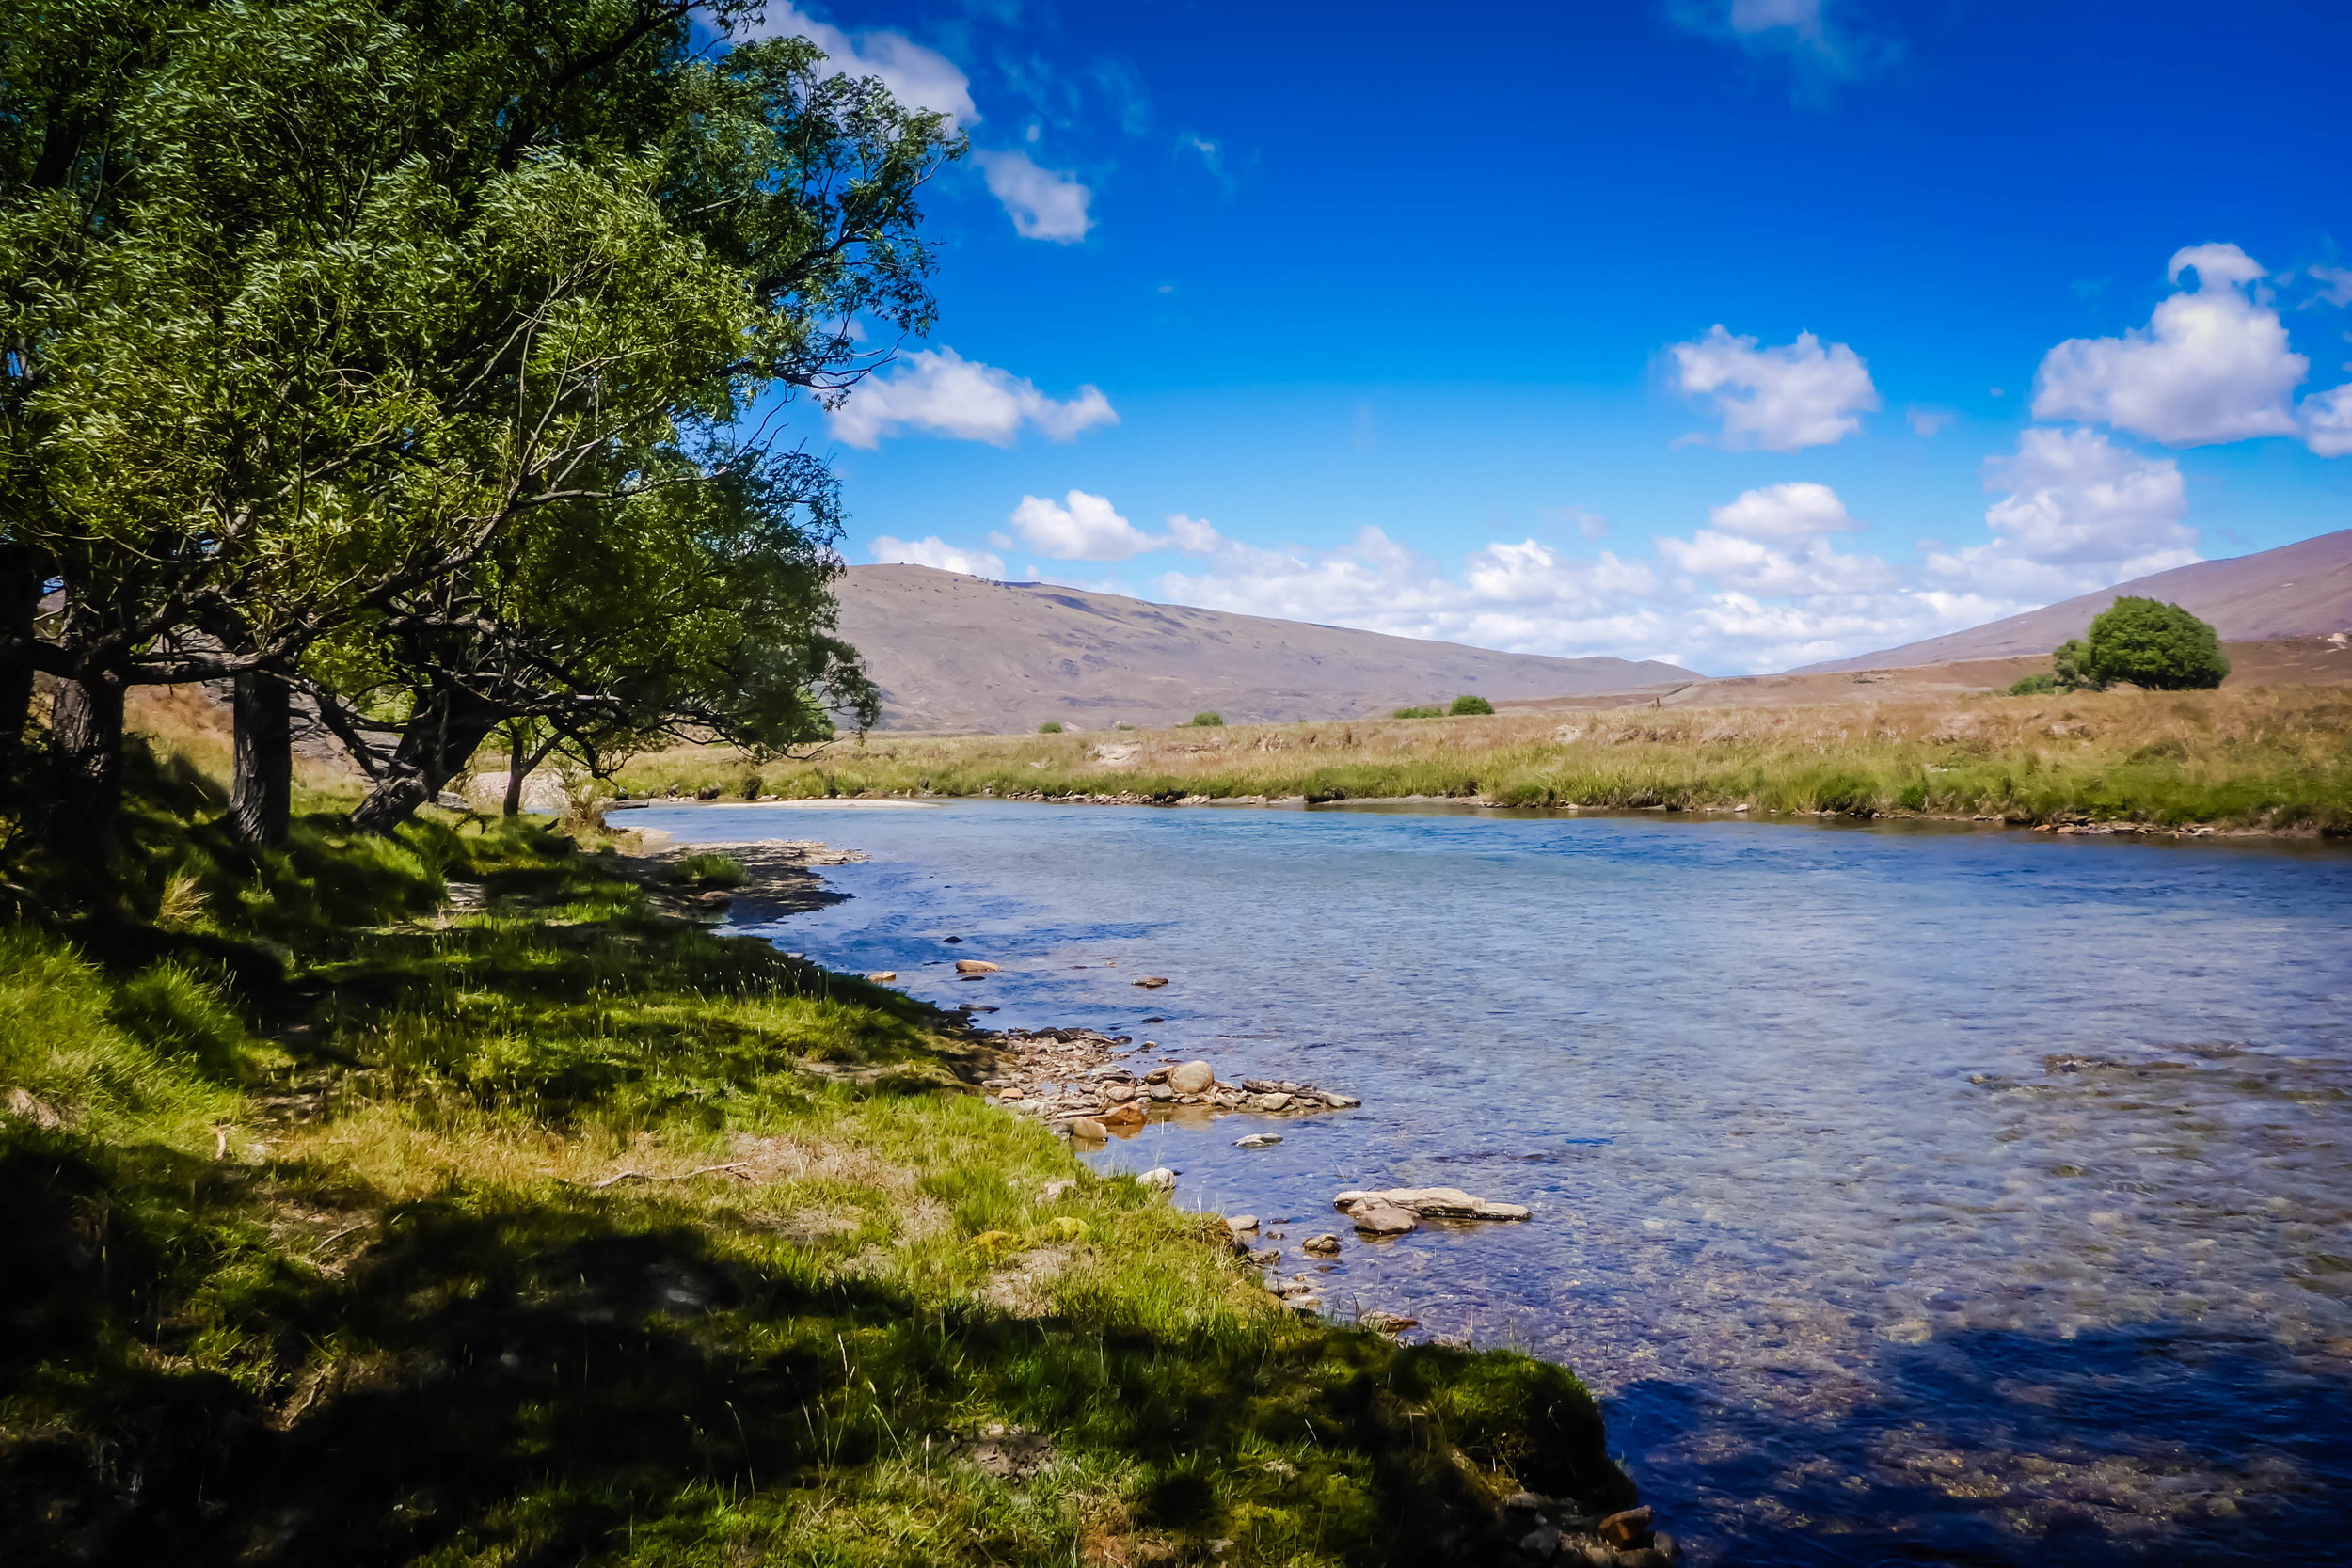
x: 1736, y: 332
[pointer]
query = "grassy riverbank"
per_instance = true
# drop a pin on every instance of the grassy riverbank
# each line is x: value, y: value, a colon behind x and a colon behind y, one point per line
x: 2277, y: 758
x: 465, y: 1200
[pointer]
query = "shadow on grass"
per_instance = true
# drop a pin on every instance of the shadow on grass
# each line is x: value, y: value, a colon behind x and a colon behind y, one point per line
x: 548, y: 1378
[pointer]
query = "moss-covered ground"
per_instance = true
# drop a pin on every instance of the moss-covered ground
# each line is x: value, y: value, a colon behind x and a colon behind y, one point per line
x: 461, y: 1199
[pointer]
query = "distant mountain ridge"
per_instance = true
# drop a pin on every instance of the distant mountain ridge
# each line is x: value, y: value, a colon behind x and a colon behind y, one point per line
x: 958, y: 654
x: 2299, y: 590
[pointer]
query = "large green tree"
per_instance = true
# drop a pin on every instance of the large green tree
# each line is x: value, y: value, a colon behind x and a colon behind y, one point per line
x: 398, y: 278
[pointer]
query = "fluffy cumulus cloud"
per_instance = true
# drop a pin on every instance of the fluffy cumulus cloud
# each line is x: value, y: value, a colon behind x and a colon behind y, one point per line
x: 939, y: 392
x: 1784, y: 399
x: 1771, y: 542
x: 1821, y: 45
x: 1079, y: 527
x: 917, y: 77
x: 1044, y: 204
x: 2211, y: 365
x: 935, y: 552
x: 2081, y: 512
x: 2328, y: 423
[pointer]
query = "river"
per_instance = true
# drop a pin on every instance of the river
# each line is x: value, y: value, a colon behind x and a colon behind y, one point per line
x: 1907, y: 1193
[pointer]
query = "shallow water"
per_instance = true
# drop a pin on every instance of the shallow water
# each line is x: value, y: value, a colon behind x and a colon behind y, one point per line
x: 1861, y: 1274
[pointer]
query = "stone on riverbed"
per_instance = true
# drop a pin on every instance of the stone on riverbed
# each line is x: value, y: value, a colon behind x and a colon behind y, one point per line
x: 1383, y: 1219
x: 1191, y: 1078
x: 1129, y: 1114
x: 1086, y: 1127
x: 1325, y: 1244
x: 1257, y: 1140
x: 1160, y: 1177
x: 884, y: 976
x: 1240, y: 1223
x: 975, y: 966
x: 1444, y: 1203
x: 1630, y: 1528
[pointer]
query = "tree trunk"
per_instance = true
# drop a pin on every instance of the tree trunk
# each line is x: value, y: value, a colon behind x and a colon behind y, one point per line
x: 438, y: 743
x: 85, y: 742
x: 519, y: 768
x: 261, y: 798
x: 19, y: 602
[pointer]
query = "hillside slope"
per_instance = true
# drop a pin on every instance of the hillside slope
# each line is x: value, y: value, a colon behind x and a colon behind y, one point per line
x: 2300, y: 589
x: 961, y: 654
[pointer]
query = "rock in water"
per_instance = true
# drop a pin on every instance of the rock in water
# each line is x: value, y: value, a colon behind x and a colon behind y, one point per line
x: 1257, y: 1140
x: 1445, y: 1203
x: 975, y: 966
x: 1383, y: 1219
x: 1237, y: 1223
x: 1152, y: 982
x: 1192, y: 1078
x: 1086, y: 1127
x: 1630, y: 1528
x: 1129, y: 1114
x: 1160, y: 1177
x: 884, y: 976
x: 1388, y: 1323
x: 1325, y: 1244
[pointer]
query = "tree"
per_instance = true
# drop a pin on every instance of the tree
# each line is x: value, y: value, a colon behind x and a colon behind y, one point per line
x: 2069, y: 667
x: 405, y: 275
x: 1208, y: 720
x: 2157, y: 645
x: 1467, y: 705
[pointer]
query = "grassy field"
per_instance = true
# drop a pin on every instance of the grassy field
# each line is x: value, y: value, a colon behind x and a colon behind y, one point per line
x: 2277, y: 758
x: 464, y: 1201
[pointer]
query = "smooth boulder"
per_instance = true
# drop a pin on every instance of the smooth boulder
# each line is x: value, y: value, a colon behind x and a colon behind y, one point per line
x: 1444, y: 1203
x: 1192, y: 1078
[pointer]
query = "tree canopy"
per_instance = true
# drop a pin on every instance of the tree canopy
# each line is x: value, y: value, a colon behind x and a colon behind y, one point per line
x: 424, y: 356
x: 2143, y: 642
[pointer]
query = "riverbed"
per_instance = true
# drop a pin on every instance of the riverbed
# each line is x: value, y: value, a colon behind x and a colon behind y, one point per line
x: 1908, y: 1194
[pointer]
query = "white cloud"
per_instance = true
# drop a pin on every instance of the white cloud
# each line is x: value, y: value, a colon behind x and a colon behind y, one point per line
x: 917, y: 77
x: 935, y: 552
x: 2328, y: 423
x: 2081, y: 512
x: 1927, y: 422
x: 1784, y: 512
x: 2339, y: 282
x: 1193, y: 536
x: 942, y: 393
x: 1780, y: 399
x: 1080, y: 527
x: 1045, y: 204
x: 2211, y: 364
x: 1821, y: 46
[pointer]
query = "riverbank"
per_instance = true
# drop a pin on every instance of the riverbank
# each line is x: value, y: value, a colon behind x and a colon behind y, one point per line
x: 2272, y: 760
x: 469, y: 1199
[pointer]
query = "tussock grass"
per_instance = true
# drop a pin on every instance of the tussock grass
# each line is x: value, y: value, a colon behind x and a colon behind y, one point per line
x: 348, y: 1224
x: 2277, y: 758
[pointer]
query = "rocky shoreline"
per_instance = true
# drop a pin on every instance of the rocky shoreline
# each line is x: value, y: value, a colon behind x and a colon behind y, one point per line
x: 1076, y: 1081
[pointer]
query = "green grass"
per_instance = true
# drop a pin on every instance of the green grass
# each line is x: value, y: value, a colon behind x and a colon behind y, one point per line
x: 2275, y: 759
x: 707, y: 869
x: 348, y: 1225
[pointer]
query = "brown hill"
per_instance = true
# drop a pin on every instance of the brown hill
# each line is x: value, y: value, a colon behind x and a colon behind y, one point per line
x: 962, y: 654
x: 2302, y: 589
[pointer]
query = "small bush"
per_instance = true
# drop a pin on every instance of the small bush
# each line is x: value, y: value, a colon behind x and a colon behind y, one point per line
x: 1208, y: 720
x: 709, y: 869
x: 2034, y: 686
x: 1122, y: 725
x: 1466, y: 706
x: 751, y: 786
x: 1049, y: 727
x: 1419, y: 713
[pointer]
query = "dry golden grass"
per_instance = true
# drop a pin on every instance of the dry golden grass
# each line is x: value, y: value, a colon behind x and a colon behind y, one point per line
x: 2273, y: 758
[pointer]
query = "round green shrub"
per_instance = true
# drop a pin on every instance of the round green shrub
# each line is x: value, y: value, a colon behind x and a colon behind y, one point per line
x: 1208, y: 720
x: 1466, y: 706
x: 2034, y: 686
x: 1049, y: 727
x: 2160, y: 646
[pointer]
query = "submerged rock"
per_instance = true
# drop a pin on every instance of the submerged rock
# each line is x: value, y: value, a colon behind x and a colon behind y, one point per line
x: 1383, y: 1219
x: 1325, y: 1244
x: 1257, y: 1140
x: 975, y: 966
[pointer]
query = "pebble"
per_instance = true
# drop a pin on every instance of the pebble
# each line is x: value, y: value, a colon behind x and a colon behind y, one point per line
x: 1257, y: 1140
x: 975, y: 966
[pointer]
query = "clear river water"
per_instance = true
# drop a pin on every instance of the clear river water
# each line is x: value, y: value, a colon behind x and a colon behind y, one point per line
x: 1907, y: 1194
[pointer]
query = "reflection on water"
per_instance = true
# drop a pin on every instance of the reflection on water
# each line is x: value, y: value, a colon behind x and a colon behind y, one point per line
x: 1908, y: 1195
